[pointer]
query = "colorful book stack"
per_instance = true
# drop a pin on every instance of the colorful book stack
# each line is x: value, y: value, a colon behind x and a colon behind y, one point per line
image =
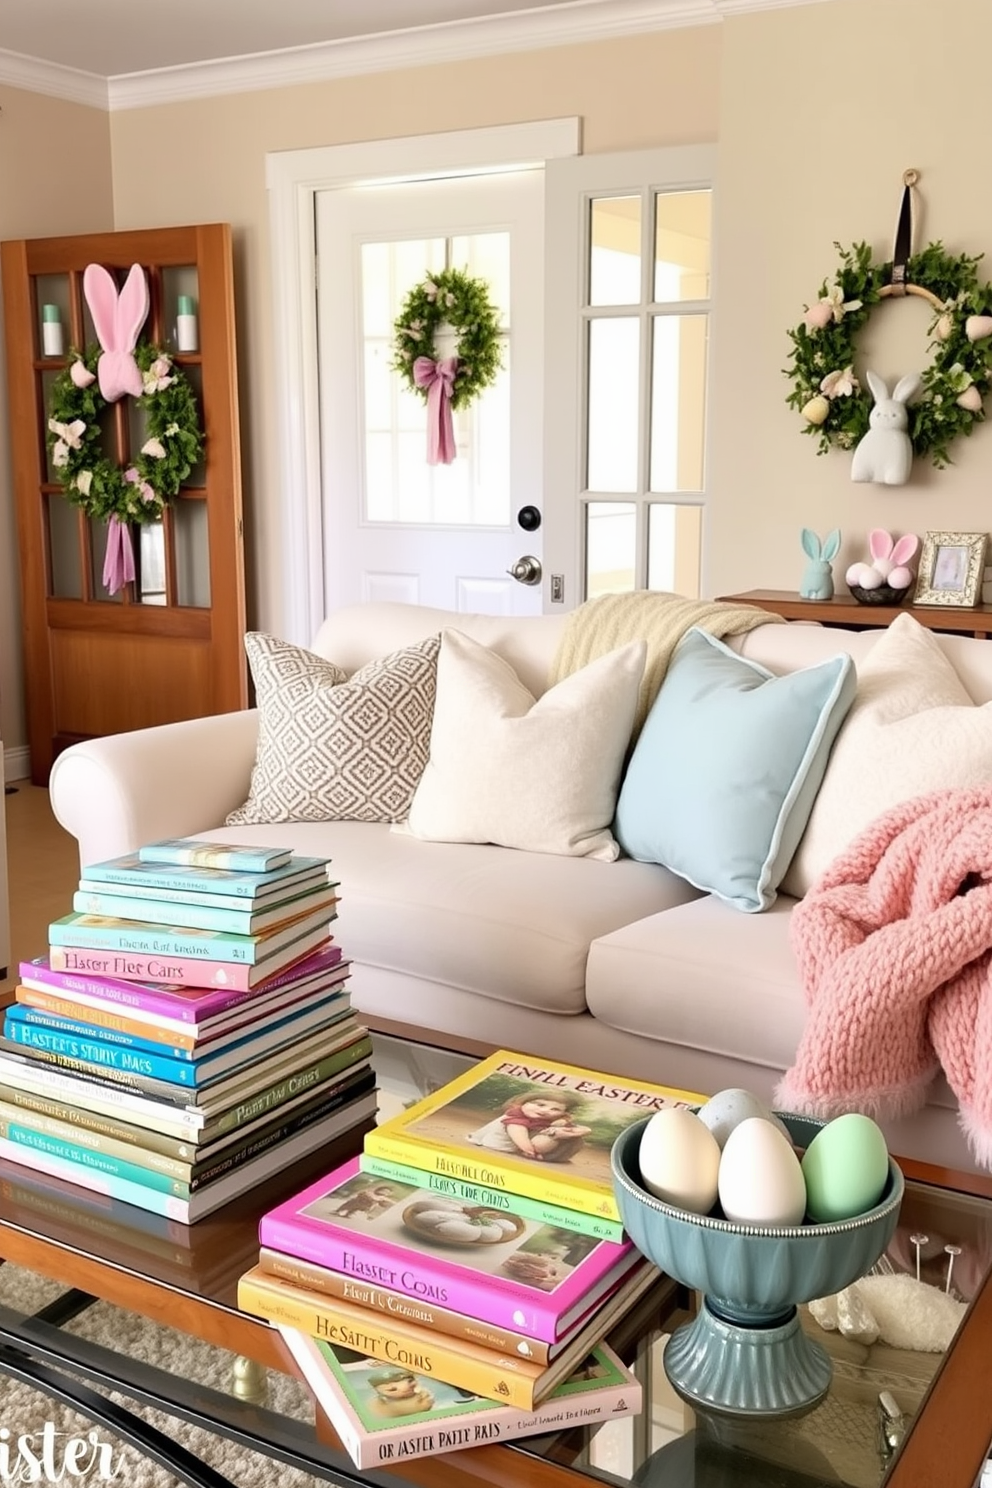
x: 476, y: 1242
x: 190, y: 1031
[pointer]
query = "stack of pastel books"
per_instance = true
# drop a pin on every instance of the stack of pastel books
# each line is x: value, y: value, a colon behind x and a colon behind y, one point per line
x: 190, y: 1031
x: 475, y: 1246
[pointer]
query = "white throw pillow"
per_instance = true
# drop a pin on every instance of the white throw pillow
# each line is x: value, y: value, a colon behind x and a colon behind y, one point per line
x: 913, y: 729
x: 538, y: 774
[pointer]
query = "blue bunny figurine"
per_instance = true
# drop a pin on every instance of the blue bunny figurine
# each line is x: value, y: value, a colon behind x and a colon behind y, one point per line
x: 818, y: 580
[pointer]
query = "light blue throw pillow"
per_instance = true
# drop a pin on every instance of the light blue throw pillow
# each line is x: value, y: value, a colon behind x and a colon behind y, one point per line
x: 727, y: 766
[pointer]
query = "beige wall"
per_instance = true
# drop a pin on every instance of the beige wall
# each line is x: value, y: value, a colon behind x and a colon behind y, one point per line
x: 822, y: 109
x: 55, y: 178
x: 817, y: 110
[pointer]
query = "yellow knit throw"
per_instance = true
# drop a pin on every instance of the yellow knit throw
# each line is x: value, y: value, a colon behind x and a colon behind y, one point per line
x: 611, y: 620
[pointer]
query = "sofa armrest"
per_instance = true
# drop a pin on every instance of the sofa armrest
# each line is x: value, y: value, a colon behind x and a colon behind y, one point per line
x: 115, y: 793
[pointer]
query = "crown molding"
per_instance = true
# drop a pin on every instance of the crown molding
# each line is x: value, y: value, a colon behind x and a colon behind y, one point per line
x: 571, y: 24
x: 54, y: 81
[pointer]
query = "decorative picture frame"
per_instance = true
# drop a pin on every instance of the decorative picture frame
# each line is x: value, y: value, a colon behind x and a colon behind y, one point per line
x: 951, y: 570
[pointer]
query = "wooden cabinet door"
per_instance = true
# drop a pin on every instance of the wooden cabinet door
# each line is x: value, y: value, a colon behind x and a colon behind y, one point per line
x: 169, y: 644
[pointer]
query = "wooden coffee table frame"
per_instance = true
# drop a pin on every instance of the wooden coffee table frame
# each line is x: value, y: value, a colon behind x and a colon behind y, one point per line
x: 947, y: 1443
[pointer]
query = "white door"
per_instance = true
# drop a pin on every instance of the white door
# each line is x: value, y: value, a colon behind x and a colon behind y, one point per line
x: 396, y: 527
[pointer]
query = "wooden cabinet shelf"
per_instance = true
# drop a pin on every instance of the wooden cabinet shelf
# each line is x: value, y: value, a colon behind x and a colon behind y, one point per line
x: 845, y: 612
x: 167, y: 645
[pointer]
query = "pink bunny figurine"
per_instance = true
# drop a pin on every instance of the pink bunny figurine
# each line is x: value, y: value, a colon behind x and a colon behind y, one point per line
x: 890, y: 562
x: 118, y: 318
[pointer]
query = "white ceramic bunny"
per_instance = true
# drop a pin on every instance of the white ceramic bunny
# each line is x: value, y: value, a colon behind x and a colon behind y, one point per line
x: 818, y: 580
x: 885, y: 453
x: 890, y: 562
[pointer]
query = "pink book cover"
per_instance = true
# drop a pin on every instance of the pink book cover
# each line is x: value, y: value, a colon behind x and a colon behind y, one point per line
x: 495, y: 1266
x: 171, y: 971
x: 187, y: 1004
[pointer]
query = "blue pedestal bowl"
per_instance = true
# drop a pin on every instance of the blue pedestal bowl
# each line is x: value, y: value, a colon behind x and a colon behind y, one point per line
x: 745, y: 1351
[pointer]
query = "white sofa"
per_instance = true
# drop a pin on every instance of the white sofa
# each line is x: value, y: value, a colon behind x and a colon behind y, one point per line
x: 619, y: 966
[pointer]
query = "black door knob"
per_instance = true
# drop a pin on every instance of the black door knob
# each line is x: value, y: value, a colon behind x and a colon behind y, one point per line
x: 529, y: 518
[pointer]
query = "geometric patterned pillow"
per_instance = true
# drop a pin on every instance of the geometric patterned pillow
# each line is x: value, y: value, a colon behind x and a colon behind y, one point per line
x: 333, y: 747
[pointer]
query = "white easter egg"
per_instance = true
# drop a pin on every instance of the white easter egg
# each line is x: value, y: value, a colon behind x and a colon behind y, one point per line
x: 679, y: 1160
x: 728, y: 1108
x: 760, y: 1181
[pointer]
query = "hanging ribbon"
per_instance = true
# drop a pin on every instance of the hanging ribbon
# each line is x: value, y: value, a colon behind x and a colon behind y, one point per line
x: 118, y: 563
x: 903, y: 250
x: 439, y: 379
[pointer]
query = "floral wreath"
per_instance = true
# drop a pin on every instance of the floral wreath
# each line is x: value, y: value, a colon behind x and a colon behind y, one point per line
x: 454, y: 298
x: 103, y: 489
x: 825, y: 389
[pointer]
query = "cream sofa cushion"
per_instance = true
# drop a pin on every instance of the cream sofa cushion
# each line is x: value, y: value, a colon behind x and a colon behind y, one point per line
x: 913, y: 729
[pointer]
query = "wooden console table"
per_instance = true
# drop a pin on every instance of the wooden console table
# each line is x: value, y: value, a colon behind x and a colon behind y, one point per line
x: 844, y: 611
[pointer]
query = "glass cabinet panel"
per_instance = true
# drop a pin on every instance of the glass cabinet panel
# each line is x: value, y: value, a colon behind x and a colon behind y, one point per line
x: 63, y: 538
x: 189, y: 523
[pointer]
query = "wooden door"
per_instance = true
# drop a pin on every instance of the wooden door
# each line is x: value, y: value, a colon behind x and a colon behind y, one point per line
x: 169, y: 644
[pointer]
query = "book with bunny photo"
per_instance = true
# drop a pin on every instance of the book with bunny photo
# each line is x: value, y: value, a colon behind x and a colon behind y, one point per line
x: 494, y: 1265
x: 523, y: 1125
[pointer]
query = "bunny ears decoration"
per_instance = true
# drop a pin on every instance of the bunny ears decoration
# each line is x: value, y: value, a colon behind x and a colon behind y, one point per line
x: 118, y: 318
x: 888, y: 576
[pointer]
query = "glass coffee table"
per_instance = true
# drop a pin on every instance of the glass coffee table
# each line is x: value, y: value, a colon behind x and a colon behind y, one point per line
x: 100, y: 1270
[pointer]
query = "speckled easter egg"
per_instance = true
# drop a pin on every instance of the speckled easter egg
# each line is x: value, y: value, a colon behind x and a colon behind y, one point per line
x: 728, y: 1108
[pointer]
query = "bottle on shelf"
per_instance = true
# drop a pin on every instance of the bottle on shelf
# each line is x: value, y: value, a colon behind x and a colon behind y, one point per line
x: 187, y: 329
x: 51, y: 331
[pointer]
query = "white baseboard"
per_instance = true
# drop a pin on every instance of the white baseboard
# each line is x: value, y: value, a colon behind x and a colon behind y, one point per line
x: 16, y: 764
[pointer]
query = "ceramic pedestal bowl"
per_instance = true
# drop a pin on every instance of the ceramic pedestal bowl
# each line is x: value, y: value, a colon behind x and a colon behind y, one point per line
x: 745, y: 1351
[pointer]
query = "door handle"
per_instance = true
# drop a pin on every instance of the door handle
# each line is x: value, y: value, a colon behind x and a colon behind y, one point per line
x: 526, y: 570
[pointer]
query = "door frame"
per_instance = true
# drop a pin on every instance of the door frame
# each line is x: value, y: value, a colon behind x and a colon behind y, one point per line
x: 293, y: 179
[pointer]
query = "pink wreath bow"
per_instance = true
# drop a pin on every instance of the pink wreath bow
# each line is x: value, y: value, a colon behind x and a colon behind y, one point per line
x: 439, y: 379
x: 118, y: 562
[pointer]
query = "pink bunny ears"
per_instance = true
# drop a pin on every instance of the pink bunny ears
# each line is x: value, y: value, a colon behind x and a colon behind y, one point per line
x: 118, y: 318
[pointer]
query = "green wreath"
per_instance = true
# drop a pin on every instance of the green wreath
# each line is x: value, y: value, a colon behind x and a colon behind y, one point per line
x: 825, y: 389
x: 462, y: 302
x: 174, y: 442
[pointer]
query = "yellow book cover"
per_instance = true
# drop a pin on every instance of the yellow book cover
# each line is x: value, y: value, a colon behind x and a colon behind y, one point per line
x: 458, y: 1362
x: 528, y: 1126
x: 346, y: 1325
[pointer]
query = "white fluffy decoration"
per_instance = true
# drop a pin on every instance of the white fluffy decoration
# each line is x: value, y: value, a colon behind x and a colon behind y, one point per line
x: 901, y: 1311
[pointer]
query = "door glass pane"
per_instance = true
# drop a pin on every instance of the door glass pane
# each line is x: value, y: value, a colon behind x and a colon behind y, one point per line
x: 189, y: 526
x: 399, y: 485
x: 611, y: 547
x: 678, y: 402
x: 682, y: 237
x: 675, y: 540
x: 611, y: 458
x: 615, y: 250
x: 63, y: 535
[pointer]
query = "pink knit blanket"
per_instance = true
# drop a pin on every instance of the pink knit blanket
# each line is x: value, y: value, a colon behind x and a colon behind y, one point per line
x: 894, y: 946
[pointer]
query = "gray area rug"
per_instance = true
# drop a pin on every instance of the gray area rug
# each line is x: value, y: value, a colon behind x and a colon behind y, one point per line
x: 24, y: 1410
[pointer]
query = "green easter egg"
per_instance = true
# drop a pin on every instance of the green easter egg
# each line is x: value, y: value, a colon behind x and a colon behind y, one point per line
x: 845, y: 1167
